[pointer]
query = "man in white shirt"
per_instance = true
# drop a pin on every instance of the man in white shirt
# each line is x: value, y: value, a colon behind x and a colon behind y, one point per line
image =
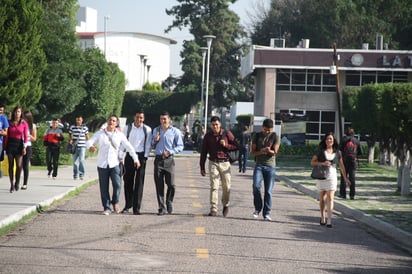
x: 109, y: 141
x: 140, y: 136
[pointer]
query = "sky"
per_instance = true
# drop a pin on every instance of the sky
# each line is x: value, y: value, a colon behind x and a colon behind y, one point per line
x: 149, y: 16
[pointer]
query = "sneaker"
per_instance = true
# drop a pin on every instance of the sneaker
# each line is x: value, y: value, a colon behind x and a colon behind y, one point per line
x: 212, y: 213
x: 81, y: 178
x: 125, y: 211
x: 255, y: 214
x: 169, y: 208
x: 106, y: 212
x: 267, y: 218
x: 75, y: 178
x: 54, y: 177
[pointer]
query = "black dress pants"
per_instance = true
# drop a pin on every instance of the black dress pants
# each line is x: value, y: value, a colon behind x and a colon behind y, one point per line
x: 134, y: 182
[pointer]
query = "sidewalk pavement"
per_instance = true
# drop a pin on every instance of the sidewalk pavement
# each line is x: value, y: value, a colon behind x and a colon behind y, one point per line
x: 43, y: 191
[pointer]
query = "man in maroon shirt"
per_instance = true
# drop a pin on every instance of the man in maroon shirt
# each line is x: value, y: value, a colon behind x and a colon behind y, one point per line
x: 217, y: 143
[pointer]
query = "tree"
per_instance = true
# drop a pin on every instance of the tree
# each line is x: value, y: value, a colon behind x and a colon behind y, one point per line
x: 204, y: 17
x: 105, y: 87
x: 325, y: 24
x: 22, y: 58
x: 63, y: 85
x: 384, y: 111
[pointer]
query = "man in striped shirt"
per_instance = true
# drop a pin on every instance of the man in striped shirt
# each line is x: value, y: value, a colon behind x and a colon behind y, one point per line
x: 78, y: 135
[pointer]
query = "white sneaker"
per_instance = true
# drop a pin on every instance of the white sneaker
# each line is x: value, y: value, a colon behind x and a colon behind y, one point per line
x: 267, y: 218
x: 255, y: 214
x: 106, y: 212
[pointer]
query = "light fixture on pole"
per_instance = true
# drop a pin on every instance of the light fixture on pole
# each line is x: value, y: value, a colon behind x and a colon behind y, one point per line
x: 204, y: 51
x: 335, y: 70
x: 106, y: 17
x: 209, y: 39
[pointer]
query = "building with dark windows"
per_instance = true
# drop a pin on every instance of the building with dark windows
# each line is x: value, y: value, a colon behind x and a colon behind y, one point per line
x: 300, y: 81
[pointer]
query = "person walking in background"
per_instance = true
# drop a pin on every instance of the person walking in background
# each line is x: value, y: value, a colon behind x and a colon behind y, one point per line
x: 328, y: 155
x: 52, y: 138
x: 217, y: 143
x: 167, y: 141
x: 78, y: 135
x: 140, y: 136
x: 244, y: 149
x: 17, y: 137
x: 265, y: 146
x: 350, y: 148
x: 32, y: 137
x: 109, y: 141
x: 4, y: 127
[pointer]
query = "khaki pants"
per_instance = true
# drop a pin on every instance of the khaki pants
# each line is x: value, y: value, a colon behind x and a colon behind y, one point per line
x: 219, y: 172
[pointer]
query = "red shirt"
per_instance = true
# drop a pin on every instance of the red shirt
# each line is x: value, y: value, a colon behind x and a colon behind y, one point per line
x: 211, y: 145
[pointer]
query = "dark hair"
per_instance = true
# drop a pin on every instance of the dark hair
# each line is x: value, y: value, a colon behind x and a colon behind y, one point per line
x: 139, y: 111
x: 350, y: 131
x: 28, y: 116
x: 268, y: 123
x: 322, y: 144
x: 165, y: 113
x: 13, y: 114
x: 214, y: 119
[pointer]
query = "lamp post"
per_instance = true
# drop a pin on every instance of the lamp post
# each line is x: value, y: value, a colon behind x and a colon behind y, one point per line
x: 335, y: 70
x: 142, y: 57
x: 106, y: 17
x: 204, y: 51
x: 209, y: 39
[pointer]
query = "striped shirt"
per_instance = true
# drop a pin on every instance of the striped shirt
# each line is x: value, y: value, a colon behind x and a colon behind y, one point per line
x: 78, y: 134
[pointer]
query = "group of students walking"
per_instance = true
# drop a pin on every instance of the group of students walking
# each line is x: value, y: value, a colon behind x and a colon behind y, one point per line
x: 129, y: 149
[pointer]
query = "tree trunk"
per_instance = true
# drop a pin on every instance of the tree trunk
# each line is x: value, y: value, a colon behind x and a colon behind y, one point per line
x: 371, y: 154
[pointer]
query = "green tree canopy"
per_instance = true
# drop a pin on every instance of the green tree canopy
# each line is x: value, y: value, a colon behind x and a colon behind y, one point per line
x: 204, y: 17
x: 63, y: 85
x: 22, y: 59
x: 335, y: 21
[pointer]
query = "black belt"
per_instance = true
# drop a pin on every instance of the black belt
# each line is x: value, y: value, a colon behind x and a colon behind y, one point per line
x: 219, y: 160
x: 162, y: 157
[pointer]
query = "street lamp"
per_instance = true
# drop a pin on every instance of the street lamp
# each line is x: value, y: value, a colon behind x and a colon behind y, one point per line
x: 335, y: 70
x: 204, y: 51
x: 106, y: 17
x: 209, y: 39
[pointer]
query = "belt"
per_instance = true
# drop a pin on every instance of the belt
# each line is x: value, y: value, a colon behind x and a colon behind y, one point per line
x: 219, y: 160
x: 161, y: 157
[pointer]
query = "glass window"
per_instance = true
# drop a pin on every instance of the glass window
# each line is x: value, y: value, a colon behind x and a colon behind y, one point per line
x: 384, y: 77
x: 328, y: 116
x: 368, y: 78
x: 353, y: 78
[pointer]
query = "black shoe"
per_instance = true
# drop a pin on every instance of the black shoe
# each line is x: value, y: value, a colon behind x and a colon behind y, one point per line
x: 341, y: 196
x: 329, y: 225
x: 321, y: 222
x: 212, y: 213
x: 125, y: 211
x: 352, y: 198
x: 225, y: 211
x: 136, y: 212
x: 160, y: 212
x: 169, y: 209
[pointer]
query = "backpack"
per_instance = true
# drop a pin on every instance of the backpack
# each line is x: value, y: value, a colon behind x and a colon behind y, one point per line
x: 129, y: 128
x: 350, y: 149
x: 233, y: 154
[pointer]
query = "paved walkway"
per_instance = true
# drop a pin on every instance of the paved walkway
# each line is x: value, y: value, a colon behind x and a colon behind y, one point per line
x: 43, y: 191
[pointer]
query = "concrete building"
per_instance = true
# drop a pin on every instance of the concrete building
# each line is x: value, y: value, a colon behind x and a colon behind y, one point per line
x: 142, y: 57
x: 298, y: 81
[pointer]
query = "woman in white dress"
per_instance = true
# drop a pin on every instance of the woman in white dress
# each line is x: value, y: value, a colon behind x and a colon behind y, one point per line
x: 328, y: 155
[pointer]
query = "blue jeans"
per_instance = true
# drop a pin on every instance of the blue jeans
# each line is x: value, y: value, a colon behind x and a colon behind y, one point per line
x: 243, y: 157
x: 267, y: 175
x: 78, y: 162
x: 104, y: 175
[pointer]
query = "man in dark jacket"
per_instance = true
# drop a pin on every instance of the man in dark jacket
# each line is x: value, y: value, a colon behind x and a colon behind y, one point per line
x: 351, y: 148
